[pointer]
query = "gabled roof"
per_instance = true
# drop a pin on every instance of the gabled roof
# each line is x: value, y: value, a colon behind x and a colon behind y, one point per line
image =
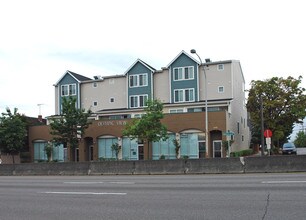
x: 79, y: 78
x: 182, y: 52
x: 143, y: 63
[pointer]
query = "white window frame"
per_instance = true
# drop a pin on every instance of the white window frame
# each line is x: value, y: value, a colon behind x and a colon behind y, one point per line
x: 68, y: 89
x: 178, y: 110
x: 181, y: 73
x: 137, y: 81
x: 137, y: 103
x: 220, y: 67
x: 183, y: 94
x: 220, y: 88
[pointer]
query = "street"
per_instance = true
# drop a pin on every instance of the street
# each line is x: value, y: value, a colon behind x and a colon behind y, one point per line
x: 238, y: 196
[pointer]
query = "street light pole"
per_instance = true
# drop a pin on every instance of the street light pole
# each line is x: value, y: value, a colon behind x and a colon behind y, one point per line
x: 193, y: 51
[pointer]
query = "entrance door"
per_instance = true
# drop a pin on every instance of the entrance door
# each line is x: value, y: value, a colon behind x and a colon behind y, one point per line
x: 217, y: 145
x: 76, y: 154
x: 140, y: 150
x: 90, y: 153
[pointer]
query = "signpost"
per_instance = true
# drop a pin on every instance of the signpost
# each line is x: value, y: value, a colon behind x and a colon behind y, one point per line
x: 268, y: 135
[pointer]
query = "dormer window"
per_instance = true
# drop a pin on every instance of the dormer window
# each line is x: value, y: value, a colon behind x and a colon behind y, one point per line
x: 183, y: 73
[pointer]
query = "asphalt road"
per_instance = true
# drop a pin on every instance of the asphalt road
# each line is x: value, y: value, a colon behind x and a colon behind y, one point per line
x: 245, y: 196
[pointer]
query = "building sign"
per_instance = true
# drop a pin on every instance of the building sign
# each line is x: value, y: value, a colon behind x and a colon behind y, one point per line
x: 112, y: 123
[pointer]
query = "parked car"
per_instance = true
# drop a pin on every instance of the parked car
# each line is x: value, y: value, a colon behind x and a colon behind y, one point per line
x: 289, y: 148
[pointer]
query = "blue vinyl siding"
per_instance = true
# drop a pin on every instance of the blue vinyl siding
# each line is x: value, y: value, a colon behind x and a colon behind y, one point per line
x: 137, y: 69
x: 68, y: 79
x: 184, y: 61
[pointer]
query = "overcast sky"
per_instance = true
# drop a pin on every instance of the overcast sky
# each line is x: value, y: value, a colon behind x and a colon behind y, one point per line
x: 40, y: 40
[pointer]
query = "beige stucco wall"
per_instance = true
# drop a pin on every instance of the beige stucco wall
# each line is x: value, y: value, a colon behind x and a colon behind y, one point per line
x: 162, y: 86
x: 105, y: 90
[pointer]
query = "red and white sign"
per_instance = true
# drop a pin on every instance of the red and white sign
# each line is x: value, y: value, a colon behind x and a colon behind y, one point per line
x: 268, y: 133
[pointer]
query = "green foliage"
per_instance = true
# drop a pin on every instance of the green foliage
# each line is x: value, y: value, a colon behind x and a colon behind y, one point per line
x: 116, y: 148
x: 283, y: 105
x: 162, y: 157
x: 48, y: 150
x: 65, y: 128
x: 300, y: 140
x: 226, y: 143
x: 242, y: 153
x: 177, y: 147
x: 149, y: 126
x: 12, y: 131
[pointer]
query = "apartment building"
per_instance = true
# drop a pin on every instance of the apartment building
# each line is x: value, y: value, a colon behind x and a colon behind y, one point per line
x: 180, y: 86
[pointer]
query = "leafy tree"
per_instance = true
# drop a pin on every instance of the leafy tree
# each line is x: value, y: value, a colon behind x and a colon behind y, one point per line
x: 13, y: 132
x: 300, y: 140
x: 149, y: 126
x: 70, y: 125
x: 283, y: 105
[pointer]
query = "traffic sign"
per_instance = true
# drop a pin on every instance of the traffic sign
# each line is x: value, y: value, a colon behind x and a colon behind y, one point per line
x: 267, y: 133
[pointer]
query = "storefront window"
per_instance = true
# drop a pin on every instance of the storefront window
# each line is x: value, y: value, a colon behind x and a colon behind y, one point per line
x: 164, y: 148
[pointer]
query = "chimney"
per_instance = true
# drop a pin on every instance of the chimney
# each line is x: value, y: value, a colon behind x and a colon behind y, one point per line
x: 39, y: 118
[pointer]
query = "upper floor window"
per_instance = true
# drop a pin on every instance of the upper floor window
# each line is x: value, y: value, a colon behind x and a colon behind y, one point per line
x: 221, y: 89
x: 139, y: 80
x: 183, y: 95
x: 179, y: 110
x: 69, y: 89
x: 95, y: 85
x: 220, y: 67
x: 182, y: 73
x: 138, y: 101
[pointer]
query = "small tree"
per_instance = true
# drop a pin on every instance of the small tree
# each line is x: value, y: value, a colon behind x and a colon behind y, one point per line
x: 48, y: 150
x: 149, y: 126
x: 300, y: 140
x: 12, y: 132
x: 70, y: 124
x: 177, y: 147
x: 116, y: 148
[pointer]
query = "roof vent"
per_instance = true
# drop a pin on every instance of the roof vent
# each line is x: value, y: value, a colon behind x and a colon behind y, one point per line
x: 98, y: 77
x: 207, y: 60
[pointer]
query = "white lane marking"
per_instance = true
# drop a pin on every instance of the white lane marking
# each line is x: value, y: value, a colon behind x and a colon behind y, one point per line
x: 84, y: 193
x: 284, y: 181
x: 123, y: 182
x: 99, y: 182
x: 83, y: 182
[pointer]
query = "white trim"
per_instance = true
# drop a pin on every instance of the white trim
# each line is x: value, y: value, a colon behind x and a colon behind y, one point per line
x: 182, y: 52
x: 219, y: 87
x: 219, y: 65
x: 140, y: 61
x: 183, y: 73
x: 138, y: 100
x: 184, y: 91
x: 138, y: 80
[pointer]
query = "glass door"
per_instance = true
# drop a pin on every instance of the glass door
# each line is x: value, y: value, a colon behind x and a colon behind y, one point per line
x: 217, y: 145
